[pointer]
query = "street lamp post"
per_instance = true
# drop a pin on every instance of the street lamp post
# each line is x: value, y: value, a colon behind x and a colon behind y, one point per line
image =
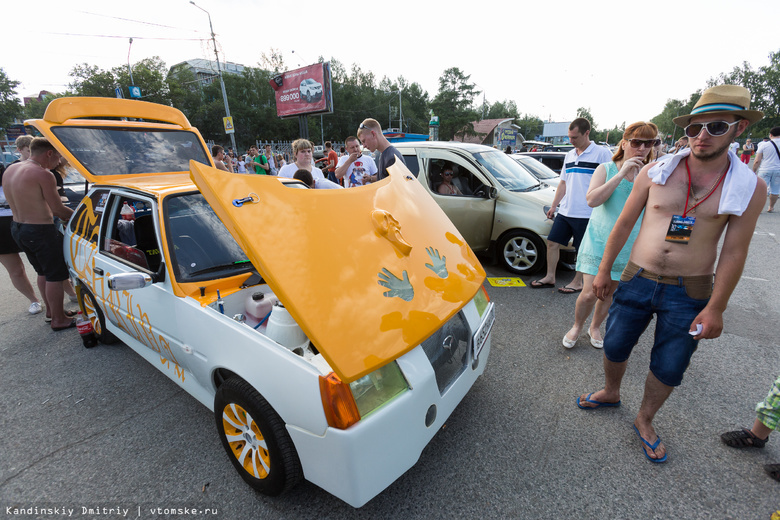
x: 219, y: 71
x: 129, y: 69
x: 400, y: 111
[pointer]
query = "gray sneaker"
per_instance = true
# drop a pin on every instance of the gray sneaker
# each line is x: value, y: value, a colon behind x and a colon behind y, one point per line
x: 35, y: 308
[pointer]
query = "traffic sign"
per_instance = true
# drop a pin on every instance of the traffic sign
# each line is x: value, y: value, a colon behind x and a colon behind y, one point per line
x: 118, y: 92
x: 135, y: 92
x: 228, y: 122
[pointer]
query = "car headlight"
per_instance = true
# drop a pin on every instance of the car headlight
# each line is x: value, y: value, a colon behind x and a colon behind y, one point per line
x: 344, y: 405
x: 481, y: 300
x: 377, y: 388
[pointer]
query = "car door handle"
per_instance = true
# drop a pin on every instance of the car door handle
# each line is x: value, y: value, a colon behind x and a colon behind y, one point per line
x: 97, y: 270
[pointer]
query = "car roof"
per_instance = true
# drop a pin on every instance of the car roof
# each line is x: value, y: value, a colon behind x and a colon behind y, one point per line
x: 468, y: 147
x: 542, y: 153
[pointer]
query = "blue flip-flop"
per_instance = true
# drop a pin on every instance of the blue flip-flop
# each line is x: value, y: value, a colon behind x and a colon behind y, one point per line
x: 651, y: 446
x: 599, y: 404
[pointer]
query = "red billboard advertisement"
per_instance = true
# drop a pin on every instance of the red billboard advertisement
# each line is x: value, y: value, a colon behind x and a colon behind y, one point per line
x: 303, y: 91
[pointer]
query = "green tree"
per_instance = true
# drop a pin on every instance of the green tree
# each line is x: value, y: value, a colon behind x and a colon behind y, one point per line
x: 762, y: 83
x: 149, y: 75
x: 503, y: 110
x: 273, y: 61
x: 10, y: 107
x: 91, y: 80
x: 184, y: 89
x: 454, y: 104
x: 585, y: 112
x: 672, y: 109
x: 530, y: 126
x: 415, y: 108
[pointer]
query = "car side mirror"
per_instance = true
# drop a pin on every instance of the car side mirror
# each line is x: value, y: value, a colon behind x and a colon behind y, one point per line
x: 493, y: 193
x: 129, y: 281
x: 159, y: 276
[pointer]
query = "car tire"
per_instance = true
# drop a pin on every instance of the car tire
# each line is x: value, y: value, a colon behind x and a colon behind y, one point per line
x: 255, y: 438
x: 522, y: 252
x: 95, y: 316
x: 308, y: 97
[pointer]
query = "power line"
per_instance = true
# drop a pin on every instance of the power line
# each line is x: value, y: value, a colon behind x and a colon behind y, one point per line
x: 126, y: 37
x: 140, y: 21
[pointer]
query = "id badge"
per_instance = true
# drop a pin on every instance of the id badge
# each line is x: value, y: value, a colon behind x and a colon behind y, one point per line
x: 680, y: 229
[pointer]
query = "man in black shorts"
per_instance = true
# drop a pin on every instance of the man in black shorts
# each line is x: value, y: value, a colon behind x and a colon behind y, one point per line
x: 31, y: 192
x: 574, y: 213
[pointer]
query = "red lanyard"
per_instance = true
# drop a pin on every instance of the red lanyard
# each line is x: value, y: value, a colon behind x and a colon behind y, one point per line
x: 713, y: 190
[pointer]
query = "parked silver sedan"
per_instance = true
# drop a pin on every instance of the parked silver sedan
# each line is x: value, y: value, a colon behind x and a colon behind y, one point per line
x: 538, y: 170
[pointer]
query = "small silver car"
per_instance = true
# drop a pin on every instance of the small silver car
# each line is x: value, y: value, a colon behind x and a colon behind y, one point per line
x: 499, y: 207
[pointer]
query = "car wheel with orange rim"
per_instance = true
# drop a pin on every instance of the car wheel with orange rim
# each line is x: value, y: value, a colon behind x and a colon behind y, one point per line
x: 255, y: 438
x: 93, y: 313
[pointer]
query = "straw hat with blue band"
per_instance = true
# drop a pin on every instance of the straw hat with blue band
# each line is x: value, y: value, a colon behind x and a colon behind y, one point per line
x: 723, y: 100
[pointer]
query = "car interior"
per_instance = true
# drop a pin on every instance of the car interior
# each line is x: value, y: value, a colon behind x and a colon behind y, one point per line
x: 198, y: 240
x: 134, y: 240
x: 462, y: 178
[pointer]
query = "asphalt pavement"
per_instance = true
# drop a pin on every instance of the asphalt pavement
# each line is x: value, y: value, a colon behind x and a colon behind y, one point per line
x: 102, y: 433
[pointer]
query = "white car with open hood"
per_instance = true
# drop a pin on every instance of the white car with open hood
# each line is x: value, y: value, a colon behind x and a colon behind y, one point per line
x: 220, y: 281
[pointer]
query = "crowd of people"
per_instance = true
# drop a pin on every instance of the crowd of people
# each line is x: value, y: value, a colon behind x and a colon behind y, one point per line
x: 349, y: 168
x: 646, y: 225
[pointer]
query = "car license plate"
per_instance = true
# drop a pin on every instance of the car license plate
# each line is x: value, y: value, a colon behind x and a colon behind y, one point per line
x: 483, y: 332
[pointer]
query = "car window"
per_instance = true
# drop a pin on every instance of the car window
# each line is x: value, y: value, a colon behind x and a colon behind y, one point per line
x: 554, y: 163
x: 87, y: 217
x: 123, y: 151
x: 463, y: 177
x: 539, y: 170
x: 506, y: 171
x: 130, y: 233
x: 201, y: 247
x: 413, y: 164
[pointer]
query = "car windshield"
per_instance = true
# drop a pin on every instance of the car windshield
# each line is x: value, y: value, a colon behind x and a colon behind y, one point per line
x: 127, y: 151
x: 201, y: 247
x: 539, y: 170
x: 506, y: 171
x: 72, y: 176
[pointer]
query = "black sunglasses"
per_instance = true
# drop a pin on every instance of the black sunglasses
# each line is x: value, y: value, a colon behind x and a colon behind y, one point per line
x: 649, y: 143
x: 714, y: 128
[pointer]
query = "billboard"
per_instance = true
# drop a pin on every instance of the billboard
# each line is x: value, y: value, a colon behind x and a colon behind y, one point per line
x: 507, y: 137
x: 303, y: 91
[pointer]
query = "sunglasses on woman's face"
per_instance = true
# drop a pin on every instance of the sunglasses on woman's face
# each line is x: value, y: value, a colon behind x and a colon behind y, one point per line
x: 714, y: 128
x: 648, y: 143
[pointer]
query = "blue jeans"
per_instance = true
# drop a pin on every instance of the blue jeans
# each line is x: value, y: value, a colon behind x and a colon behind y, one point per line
x: 635, y: 302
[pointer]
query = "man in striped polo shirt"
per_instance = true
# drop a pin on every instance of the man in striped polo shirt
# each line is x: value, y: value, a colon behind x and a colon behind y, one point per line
x: 574, y: 212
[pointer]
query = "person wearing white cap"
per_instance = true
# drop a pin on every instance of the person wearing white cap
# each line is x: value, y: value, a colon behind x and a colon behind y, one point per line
x: 689, y: 199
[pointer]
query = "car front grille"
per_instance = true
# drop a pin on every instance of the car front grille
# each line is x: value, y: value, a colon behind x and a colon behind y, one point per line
x: 448, y: 350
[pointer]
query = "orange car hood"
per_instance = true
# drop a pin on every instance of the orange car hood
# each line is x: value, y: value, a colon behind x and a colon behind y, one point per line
x: 368, y: 273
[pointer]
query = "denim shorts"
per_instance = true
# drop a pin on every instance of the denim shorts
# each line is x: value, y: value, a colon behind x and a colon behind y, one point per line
x: 772, y: 179
x: 636, y: 300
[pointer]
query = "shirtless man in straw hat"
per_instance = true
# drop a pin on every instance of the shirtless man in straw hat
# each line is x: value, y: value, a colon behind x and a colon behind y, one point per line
x: 687, y: 199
